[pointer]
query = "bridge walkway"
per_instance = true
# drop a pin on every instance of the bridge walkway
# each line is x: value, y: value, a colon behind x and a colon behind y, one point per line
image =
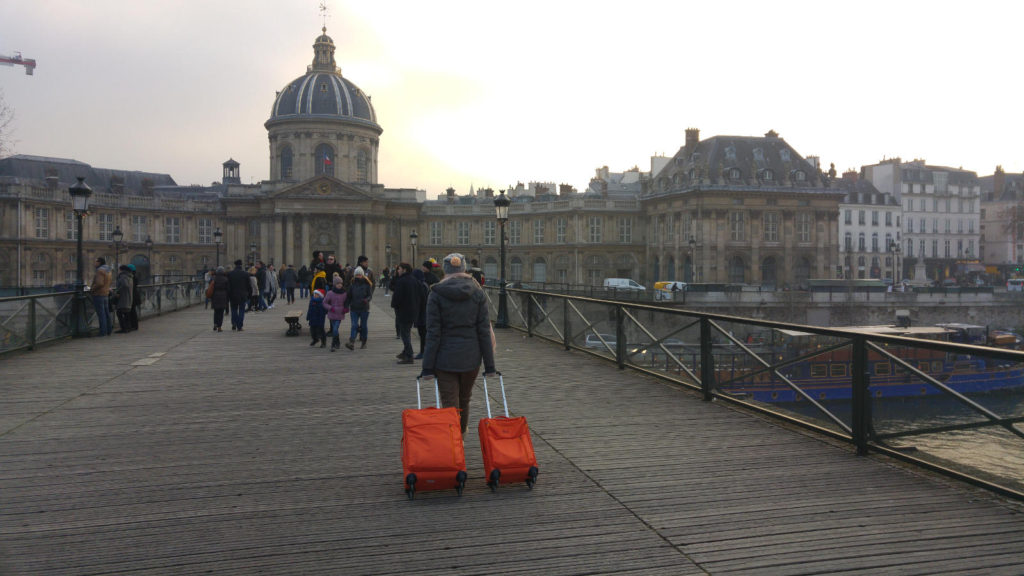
x: 179, y: 450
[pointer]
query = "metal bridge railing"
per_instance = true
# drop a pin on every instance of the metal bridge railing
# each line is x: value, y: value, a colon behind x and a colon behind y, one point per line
x: 27, y: 321
x: 951, y: 407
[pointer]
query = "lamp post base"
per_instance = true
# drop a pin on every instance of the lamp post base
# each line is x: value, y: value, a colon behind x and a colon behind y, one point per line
x: 79, y: 321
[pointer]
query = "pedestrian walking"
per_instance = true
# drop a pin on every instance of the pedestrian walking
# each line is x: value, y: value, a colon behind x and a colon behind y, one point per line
x: 406, y: 302
x: 334, y: 303
x: 239, y: 288
x: 289, y: 279
x: 459, y: 336
x: 133, y: 314
x: 124, y: 298
x: 220, y: 298
x: 360, y: 292
x: 305, y: 278
x: 315, y: 316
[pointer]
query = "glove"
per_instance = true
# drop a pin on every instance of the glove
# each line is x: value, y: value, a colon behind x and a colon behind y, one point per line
x: 425, y: 373
x: 491, y: 373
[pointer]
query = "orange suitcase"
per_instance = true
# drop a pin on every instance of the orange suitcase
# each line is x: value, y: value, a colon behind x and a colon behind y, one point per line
x: 506, y: 446
x: 433, y: 457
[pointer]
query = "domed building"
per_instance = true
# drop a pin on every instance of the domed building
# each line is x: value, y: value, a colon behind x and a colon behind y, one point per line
x: 322, y: 123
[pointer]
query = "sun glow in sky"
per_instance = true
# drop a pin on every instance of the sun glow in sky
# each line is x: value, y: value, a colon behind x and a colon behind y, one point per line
x: 480, y: 94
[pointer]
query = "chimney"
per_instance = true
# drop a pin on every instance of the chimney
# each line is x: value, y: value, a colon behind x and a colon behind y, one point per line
x: 52, y: 180
x: 998, y: 183
x: 565, y: 190
x: 692, y: 138
x: 116, y: 184
x: 450, y: 194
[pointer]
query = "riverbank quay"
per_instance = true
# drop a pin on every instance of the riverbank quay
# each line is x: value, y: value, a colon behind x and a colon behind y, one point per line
x: 177, y: 450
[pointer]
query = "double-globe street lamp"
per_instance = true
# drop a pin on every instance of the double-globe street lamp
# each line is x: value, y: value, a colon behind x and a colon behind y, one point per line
x: 501, y: 204
x: 80, y: 193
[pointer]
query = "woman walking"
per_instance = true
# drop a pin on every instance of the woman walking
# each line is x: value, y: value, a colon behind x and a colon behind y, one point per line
x: 458, y: 336
x: 219, y: 300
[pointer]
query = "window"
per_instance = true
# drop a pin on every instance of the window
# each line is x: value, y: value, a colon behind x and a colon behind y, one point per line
x: 848, y: 242
x: 860, y: 217
x: 323, y: 160
x: 771, y: 226
x: 515, y: 232
x: 935, y: 248
x: 847, y: 216
x: 819, y: 370
x: 490, y: 232
x: 734, y: 174
x: 767, y: 175
x: 462, y: 233
x: 888, y: 218
x: 172, y: 229
x: 436, y: 233
x: 883, y: 369
x: 105, y: 222
x: 538, y: 231
x: 837, y: 370
x: 800, y: 176
x: 737, y: 227
x: 286, y: 162
x: 515, y: 270
x: 362, y: 167
x: 861, y: 246
x: 42, y: 218
x: 804, y: 224
x: 625, y: 229
x: 140, y: 230
x: 70, y: 226
x: 874, y: 217
x: 594, y: 228
x: 946, y: 247
x: 560, y: 230
x: 874, y: 242
x: 910, y: 225
x: 205, y: 231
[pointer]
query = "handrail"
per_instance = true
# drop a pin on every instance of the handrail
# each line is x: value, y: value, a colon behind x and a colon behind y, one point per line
x: 647, y: 339
x: 29, y: 320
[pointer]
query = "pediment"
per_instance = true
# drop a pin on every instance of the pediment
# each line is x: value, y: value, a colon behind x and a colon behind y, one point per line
x: 323, y: 188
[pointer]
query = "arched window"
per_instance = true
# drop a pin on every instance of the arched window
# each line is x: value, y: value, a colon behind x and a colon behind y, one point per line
x: 286, y: 163
x: 671, y: 268
x: 802, y: 271
x: 737, y: 270
x: 362, y: 166
x: 540, y: 270
x: 515, y: 270
x: 323, y: 160
x: 769, y: 271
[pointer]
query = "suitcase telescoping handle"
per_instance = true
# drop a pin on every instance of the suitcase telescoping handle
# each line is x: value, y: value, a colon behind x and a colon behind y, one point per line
x: 437, y: 394
x: 501, y: 380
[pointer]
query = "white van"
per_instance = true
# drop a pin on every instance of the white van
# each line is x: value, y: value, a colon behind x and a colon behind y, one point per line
x: 622, y: 284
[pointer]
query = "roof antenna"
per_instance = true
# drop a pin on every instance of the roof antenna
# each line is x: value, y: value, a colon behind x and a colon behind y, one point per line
x: 324, y: 14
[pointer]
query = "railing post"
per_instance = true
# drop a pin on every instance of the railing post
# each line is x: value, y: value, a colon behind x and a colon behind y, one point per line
x: 565, y: 322
x: 31, y: 328
x: 861, y: 409
x: 529, y: 314
x: 159, y: 301
x: 620, y: 338
x: 707, y: 360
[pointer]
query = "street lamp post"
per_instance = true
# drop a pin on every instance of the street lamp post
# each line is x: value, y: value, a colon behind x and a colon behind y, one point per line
x: 80, y: 193
x: 387, y: 251
x: 149, y: 258
x: 412, y: 242
x: 118, y: 236
x: 501, y: 204
x: 218, y: 237
x: 252, y: 252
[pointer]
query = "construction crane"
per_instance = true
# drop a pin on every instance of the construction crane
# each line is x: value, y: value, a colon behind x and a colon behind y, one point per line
x: 28, y: 63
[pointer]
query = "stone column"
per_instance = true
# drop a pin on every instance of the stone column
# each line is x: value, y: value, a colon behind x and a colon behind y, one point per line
x: 278, y: 242
x: 357, y: 243
x: 305, y: 239
x: 264, y: 241
x: 289, y: 236
x: 341, y: 256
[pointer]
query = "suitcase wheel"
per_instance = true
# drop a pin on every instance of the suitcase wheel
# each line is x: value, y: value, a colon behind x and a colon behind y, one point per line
x: 460, y: 480
x: 411, y: 490
x: 532, y: 478
x: 493, y: 481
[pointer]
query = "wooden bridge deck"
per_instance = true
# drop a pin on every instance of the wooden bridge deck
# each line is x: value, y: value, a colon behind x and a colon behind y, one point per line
x: 178, y: 450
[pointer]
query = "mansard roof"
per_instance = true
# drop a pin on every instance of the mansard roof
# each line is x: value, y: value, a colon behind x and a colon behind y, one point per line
x: 67, y: 171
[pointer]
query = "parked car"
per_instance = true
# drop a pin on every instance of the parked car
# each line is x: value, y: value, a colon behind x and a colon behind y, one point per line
x: 592, y: 341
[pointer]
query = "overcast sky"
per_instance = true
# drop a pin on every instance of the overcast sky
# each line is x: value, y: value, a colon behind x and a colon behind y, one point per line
x: 488, y: 94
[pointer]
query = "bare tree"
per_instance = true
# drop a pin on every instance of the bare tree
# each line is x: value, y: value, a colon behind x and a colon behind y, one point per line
x: 6, y: 127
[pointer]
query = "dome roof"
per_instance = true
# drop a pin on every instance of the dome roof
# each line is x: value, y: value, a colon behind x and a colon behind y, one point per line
x: 323, y: 94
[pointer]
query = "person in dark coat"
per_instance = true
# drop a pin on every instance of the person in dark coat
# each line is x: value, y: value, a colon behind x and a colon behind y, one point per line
x: 331, y: 268
x: 421, y: 320
x: 124, y: 298
x: 459, y: 336
x: 305, y: 277
x: 428, y: 273
x: 406, y: 301
x: 238, y: 294
x: 360, y: 292
x: 220, y: 298
x: 289, y: 279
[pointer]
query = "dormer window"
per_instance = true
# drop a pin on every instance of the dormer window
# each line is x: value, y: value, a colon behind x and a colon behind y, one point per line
x: 323, y: 87
x: 799, y: 176
x: 692, y: 174
x: 734, y: 174
x: 767, y: 175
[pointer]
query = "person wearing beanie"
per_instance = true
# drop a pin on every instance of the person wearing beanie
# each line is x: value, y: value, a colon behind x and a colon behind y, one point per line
x: 428, y: 273
x: 315, y: 315
x: 360, y: 292
x: 238, y: 294
x: 459, y: 336
x: 334, y: 304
